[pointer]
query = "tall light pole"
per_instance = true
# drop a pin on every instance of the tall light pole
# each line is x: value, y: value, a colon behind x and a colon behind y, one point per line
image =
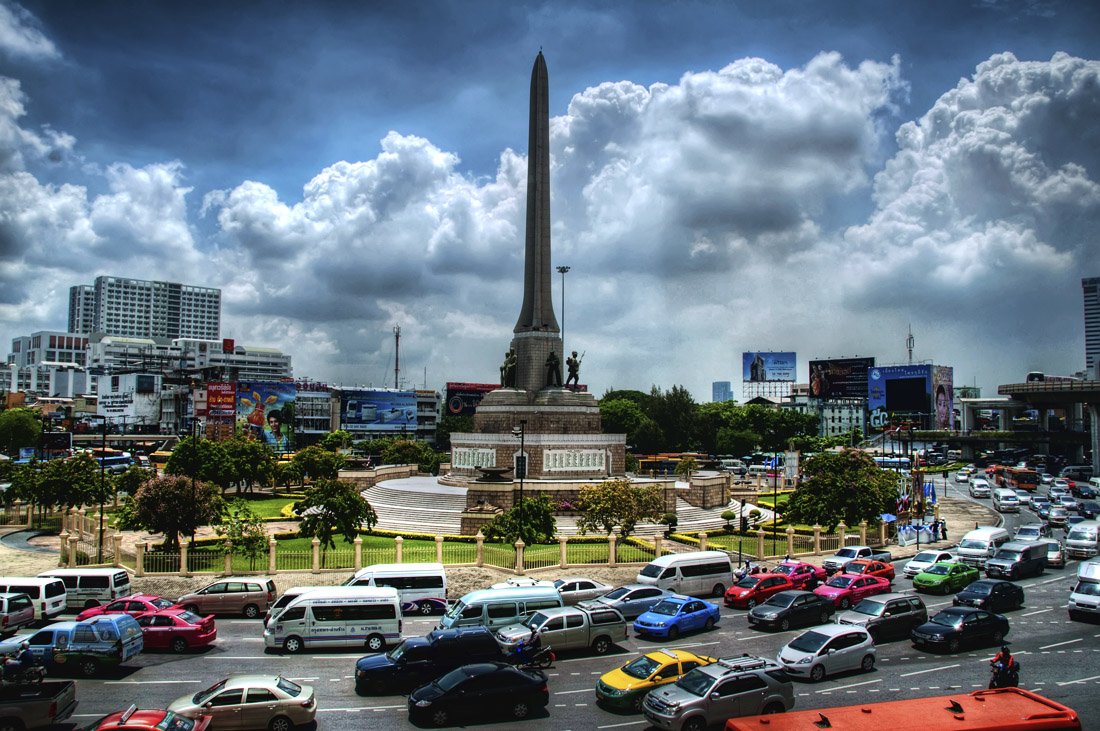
x: 521, y: 468
x: 563, y: 270
x: 102, y: 488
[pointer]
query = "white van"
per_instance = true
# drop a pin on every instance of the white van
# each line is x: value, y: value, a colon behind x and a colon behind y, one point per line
x: 47, y: 594
x: 422, y: 587
x: 1082, y: 539
x: 696, y: 573
x: 981, y: 544
x: 286, y: 598
x: 91, y: 587
x: 1084, y: 600
x: 496, y: 608
x: 344, y: 616
x: 1006, y: 501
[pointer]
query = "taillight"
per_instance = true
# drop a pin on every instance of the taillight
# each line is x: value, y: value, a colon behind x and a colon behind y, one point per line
x: 43, y: 606
x: 5, y: 620
x: 308, y: 702
x: 53, y: 709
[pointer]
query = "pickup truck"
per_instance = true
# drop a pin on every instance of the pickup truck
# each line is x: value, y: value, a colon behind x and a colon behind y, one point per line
x: 36, y: 706
x: 842, y: 557
x: 569, y: 628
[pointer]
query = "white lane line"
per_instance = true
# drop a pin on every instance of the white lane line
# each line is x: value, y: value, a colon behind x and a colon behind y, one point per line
x: 356, y: 709
x: 1038, y: 611
x: 570, y: 692
x: 628, y: 723
x: 929, y: 670
x: 853, y: 685
x: 1081, y: 680
x: 1059, y: 644
x: 149, y: 682
x: 264, y: 658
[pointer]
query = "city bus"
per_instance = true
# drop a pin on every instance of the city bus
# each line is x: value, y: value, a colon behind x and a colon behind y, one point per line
x: 159, y: 459
x: 1019, y: 478
x: 113, y: 460
x: 894, y: 463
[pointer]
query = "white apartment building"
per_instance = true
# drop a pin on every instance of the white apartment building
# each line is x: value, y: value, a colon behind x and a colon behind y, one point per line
x: 140, y: 308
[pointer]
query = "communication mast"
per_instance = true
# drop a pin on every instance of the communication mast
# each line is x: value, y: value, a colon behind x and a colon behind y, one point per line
x: 909, y: 343
x: 397, y: 356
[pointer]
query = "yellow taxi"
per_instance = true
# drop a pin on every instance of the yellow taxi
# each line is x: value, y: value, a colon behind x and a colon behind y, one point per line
x: 625, y: 687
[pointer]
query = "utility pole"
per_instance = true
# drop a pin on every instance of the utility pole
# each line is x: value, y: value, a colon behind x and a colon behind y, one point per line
x: 396, y: 356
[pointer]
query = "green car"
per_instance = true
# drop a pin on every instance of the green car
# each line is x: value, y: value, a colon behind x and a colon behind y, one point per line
x: 945, y: 577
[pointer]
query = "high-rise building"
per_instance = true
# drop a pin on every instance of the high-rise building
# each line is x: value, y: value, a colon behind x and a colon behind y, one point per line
x: 142, y: 309
x: 721, y: 391
x: 1091, y: 287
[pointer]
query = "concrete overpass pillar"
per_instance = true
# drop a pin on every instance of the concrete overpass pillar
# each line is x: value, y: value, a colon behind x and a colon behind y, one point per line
x: 1094, y: 437
x: 1004, y: 419
x: 1044, y: 418
x: 966, y: 417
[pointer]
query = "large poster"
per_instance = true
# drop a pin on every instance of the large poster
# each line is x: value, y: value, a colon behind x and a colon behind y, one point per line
x: 840, y: 377
x: 265, y: 411
x: 378, y: 411
x: 463, y: 398
x: 905, y: 389
x: 943, y: 397
x: 221, y: 399
x: 760, y: 366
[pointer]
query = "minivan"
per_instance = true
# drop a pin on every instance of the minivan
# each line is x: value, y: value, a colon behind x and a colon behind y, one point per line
x: 341, y: 616
x: 422, y: 587
x: 980, y: 544
x: 1081, y: 472
x: 696, y: 573
x: 91, y: 587
x: 496, y: 608
x: 1081, y: 541
x: 1017, y: 559
x: 48, y: 594
x: 247, y: 595
x: 1006, y: 501
x: 286, y: 598
x: 1084, y: 600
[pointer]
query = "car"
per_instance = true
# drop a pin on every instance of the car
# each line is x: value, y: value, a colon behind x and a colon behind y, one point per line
x: 962, y: 475
x: 803, y: 575
x: 1031, y: 532
x: 755, y: 588
x: 1084, y: 491
x: 631, y: 599
x: 827, y: 650
x: 176, y: 629
x: 844, y: 590
x: 1056, y: 552
x: 1024, y: 496
x: 881, y: 569
x: 133, y: 605
x: 419, y: 660
x: 887, y: 615
x: 924, y: 559
x: 480, y: 689
x: 1056, y: 492
x: 271, y: 701
x: 1069, y: 502
x: 979, y: 487
x: 247, y: 595
x: 1060, y: 483
x: 1058, y: 516
x: 1046, y: 478
x: 954, y: 627
x: 625, y: 687
x: 791, y: 609
x: 993, y: 595
x: 576, y: 589
x: 945, y: 578
x: 1088, y: 509
x: 521, y: 581
x: 675, y: 615
x: 133, y: 719
x: 1073, y: 520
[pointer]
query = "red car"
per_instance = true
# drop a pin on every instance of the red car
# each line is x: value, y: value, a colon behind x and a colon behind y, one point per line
x: 148, y: 720
x: 845, y: 590
x: 176, y: 629
x: 803, y: 575
x: 755, y: 588
x: 133, y: 605
x: 866, y: 567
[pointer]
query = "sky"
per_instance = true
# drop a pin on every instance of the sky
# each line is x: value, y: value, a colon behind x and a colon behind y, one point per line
x: 725, y: 177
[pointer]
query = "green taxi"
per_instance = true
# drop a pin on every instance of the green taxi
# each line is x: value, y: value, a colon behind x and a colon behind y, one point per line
x: 945, y: 577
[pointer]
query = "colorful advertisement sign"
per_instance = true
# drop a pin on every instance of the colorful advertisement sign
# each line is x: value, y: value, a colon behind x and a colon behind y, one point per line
x: 378, y: 411
x: 760, y: 366
x: 905, y: 389
x: 463, y: 398
x: 840, y: 377
x: 943, y: 397
x: 265, y: 411
x: 221, y: 399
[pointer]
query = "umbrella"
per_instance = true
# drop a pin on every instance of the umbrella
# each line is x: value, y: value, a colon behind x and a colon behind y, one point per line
x: 888, y: 517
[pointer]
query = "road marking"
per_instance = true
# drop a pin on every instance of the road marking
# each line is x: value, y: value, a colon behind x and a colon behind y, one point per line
x: 843, y: 687
x: 1038, y: 611
x: 357, y: 709
x: 930, y: 670
x: 1082, y: 680
x: 1059, y: 644
x: 569, y: 692
x: 249, y: 657
x: 149, y: 682
x: 628, y: 723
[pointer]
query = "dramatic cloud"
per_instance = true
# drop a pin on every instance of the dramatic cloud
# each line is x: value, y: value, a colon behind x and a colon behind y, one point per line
x: 20, y: 35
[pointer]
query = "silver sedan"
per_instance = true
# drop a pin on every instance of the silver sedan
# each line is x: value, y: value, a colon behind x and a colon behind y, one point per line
x: 575, y: 589
x: 632, y: 600
x: 251, y: 702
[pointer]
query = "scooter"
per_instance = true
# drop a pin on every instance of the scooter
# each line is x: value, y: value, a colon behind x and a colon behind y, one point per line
x: 1004, y: 677
x: 541, y: 658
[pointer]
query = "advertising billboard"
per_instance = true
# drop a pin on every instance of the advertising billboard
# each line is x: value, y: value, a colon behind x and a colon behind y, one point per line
x: 943, y: 397
x: 130, y: 398
x: 221, y: 399
x: 378, y: 411
x: 840, y: 377
x: 759, y: 366
x: 905, y: 389
x: 463, y: 398
x: 265, y: 411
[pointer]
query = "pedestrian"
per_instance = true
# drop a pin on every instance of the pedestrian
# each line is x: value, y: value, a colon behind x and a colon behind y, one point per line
x: 943, y: 529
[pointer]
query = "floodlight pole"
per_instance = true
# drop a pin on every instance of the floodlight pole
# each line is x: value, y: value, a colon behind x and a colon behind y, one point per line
x: 521, y: 468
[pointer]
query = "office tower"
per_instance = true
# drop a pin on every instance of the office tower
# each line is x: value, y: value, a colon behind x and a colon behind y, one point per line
x: 81, y: 308
x: 721, y: 391
x: 138, y: 308
x: 1091, y: 287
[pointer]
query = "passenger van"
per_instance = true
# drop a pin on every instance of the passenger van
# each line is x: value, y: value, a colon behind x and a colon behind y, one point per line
x: 287, y: 597
x: 48, y: 594
x: 1017, y: 559
x: 422, y: 587
x: 1082, y: 539
x: 342, y: 616
x: 696, y: 573
x: 981, y: 544
x: 91, y: 587
x: 496, y: 608
x: 1079, y: 472
x: 1084, y: 600
x: 1006, y: 501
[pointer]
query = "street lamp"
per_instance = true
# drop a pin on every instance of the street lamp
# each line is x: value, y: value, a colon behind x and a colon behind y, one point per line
x: 775, y: 499
x: 563, y: 270
x: 521, y: 469
x: 102, y: 488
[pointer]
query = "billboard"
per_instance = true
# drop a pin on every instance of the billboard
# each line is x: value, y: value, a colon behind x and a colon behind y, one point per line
x: 463, y: 398
x: 130, y: 398
x: 905, y: 389
x: 378, y: 411
x: 760, y: 366
x: 943, y: 397
x: 840, y: 377
x: 221, y: 399
x: 265, y: 411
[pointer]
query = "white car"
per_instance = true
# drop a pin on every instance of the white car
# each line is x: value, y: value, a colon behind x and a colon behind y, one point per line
x: 1060, y: 482
x: 962, y: 476
x: 1046, y: 478
x: 828, y: 649
x: 979, y: 487
x: 923, y: 560
x: 576, y: 589
x: 1024, y: 496
x: 1069, y: 502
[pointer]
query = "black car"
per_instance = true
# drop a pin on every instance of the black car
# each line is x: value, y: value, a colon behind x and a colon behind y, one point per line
x: 955, y: 626
x: 1088, y: 509
x: 418, y: 660
x: 992, y: 595
x: 792, y: 609
x: 482, y: 689
x: 1084, y: 491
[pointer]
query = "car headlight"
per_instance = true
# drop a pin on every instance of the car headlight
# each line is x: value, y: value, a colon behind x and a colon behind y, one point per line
x: 613, y: 692
x: 660, y: 624
x: 423, y: 704
x: 769, y: 615
x: 805, y: 661
x: 360, y: 673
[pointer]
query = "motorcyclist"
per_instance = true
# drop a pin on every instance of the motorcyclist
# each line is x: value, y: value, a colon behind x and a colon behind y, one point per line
x: 15, y: 666
x: 1003, y: 665
x: 527, y: 647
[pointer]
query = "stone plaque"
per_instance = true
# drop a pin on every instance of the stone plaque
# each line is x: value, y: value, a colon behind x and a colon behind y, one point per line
x: 574, y: 460
x: 473, y: 457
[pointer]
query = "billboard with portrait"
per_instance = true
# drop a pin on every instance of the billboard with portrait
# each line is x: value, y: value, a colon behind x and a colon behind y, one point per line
x: 840, y: 377
x: 904, y: 389
x: 758, y: 366
x: 373, y: 410
x: 265, y: 411
x: 943, y: 397
x: 463, y: 398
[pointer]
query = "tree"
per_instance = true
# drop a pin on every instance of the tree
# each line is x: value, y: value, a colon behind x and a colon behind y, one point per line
x: 133, y: 478
x: 319, y: 464
x: 736, y: 441
x: 411, y: 451
x: 625, y: 416
x: 539, y: 524
x: 287, y: 474
x: 243, y: 531
x: 685, y: 467
x: 171, y: 505
x: 248, y: 463
x: 612, y: 503
x: 19, y: 428
x: 844, y: 485
x: 674, y: 411
x: 73, y: 482
x: 332, y: 507
x: 203, y: 459
x: 334, y: 441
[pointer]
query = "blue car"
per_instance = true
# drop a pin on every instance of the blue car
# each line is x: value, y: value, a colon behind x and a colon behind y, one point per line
x: 674, y: 615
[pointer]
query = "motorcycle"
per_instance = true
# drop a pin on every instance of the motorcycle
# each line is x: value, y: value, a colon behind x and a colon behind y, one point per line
x: 1004, y: 677
x: 541, y: 658
x: 16, y: 674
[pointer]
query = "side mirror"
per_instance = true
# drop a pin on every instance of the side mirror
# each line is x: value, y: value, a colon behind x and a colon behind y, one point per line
x: 714, y: 696
x: 657, y: 678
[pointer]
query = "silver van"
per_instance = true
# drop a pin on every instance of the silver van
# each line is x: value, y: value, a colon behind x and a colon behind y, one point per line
x: 696, y: 573
x: 1017, y: 559
x: 980, y: 544
x: 496, y: 608
x: 91, y: 587
x: 1082, y: 539
x: 1006, y: 501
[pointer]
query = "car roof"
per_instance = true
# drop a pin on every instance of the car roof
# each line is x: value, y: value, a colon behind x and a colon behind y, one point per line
x: 890, y: 596
x: 833, y: 630
x: 142, y: 717
x: 244, y: 680
x: 578, y: 578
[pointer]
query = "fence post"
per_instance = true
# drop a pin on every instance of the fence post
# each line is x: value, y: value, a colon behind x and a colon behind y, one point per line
x: 73, y: 522
x: 399, y: 545
x: 72, y: 549
x: 480, y: 548
x: 183, y: 560
x: 519, y: 557
x: 563, y: 542
x: 116, y: 545
x: 817, y: 539
x: 315, y: 545
x: 439, y: 549
x: 842, y: 533
x: 882, y: 533
x: 702, y: 541
x: 29, y: 522
x: 272, y: 547
x: 760, y: 544
x: 612, y: 549
x: 863, y: 532
x: 790, y: 540
x: 139, y: 561
x: 81, y: 525
x: 62, y: 559
x: 657, y: 546
x: 358, y: 543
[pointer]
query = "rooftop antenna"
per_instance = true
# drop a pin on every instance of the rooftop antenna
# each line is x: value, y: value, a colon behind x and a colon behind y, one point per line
x: 396, y: 356
x: 909, y: 343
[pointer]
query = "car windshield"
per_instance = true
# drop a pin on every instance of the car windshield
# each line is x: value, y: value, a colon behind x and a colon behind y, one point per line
x: 451, y: 679
x: 160, y: 603
x: 665, y: 607
x: 981, y: 588
x: 190, y: 617
x: 696, y: 682
x: 616, y: 593
x: 651, y: 571
x: 455, y: 610
x: 781, y: 599
x: 203, y: 695
x: 948, y: 620
x: 641, y: 667
x: 972, y: 543
x: 784, y: 569
x: 1028, y: 530
x: 938, y: 569
x: 535, y: 620
x: 172, y: 722
x: 1088, y: 588
x: 809, y: 642
x: 289, y: 687
x: 869, y: 607
x: 1082, y: 534
x: 1008, y: 555
x: 396, y: 653
x: 748, y: 582
x: 925, y: 557
x: 839, y: 582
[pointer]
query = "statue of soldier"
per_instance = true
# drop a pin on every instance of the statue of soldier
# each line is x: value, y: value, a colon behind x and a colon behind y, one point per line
x: 553, y: 370
x: 573, y: 365
x: 508, y: 370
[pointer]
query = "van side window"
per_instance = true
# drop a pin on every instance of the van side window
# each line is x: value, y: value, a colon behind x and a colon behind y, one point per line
x: 69, y: 581
x: 95, y: 582
x: 502, y: 610
x: 471, y: 612
x: 425, y: 582
x: 292, y: 614
x: 534, y: 605
x: 53, y: 589
x: 106, y: 632
x: 42, y: 638
x: 669, y: 572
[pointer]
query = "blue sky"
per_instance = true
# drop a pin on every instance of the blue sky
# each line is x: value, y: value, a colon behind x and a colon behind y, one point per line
x: 727, y: 177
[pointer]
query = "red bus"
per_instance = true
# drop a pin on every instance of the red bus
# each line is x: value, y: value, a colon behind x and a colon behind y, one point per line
x: 1002, y: 709
x: 1019, y: 478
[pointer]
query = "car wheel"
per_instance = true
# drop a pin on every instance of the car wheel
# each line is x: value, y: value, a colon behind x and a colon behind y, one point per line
x: 425, y: 608
x: 750, y: 604
x: 718, y: 590
x: 191, y: 608
x: 376, y: 643
x: 251, y: 611
x: 695, y: 723
x: 997, y: 637
x: 845, y: 603
x: 824, y: 618
x: 179, y: 645
x: 439, y: 717
x: 89, y: 667
x: 953, y: 644
x: 280, y: 723
x: 91, y: 603
x: 601, y: 645
x: 520, y: 709
x: 773, y: 708
x: 785, y: 624
x: 637, y: 701
x: 817, y: 673
x: 709, y: 625
x: 673, y: 632
x: 293, y: 644
x: 868, y: 663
